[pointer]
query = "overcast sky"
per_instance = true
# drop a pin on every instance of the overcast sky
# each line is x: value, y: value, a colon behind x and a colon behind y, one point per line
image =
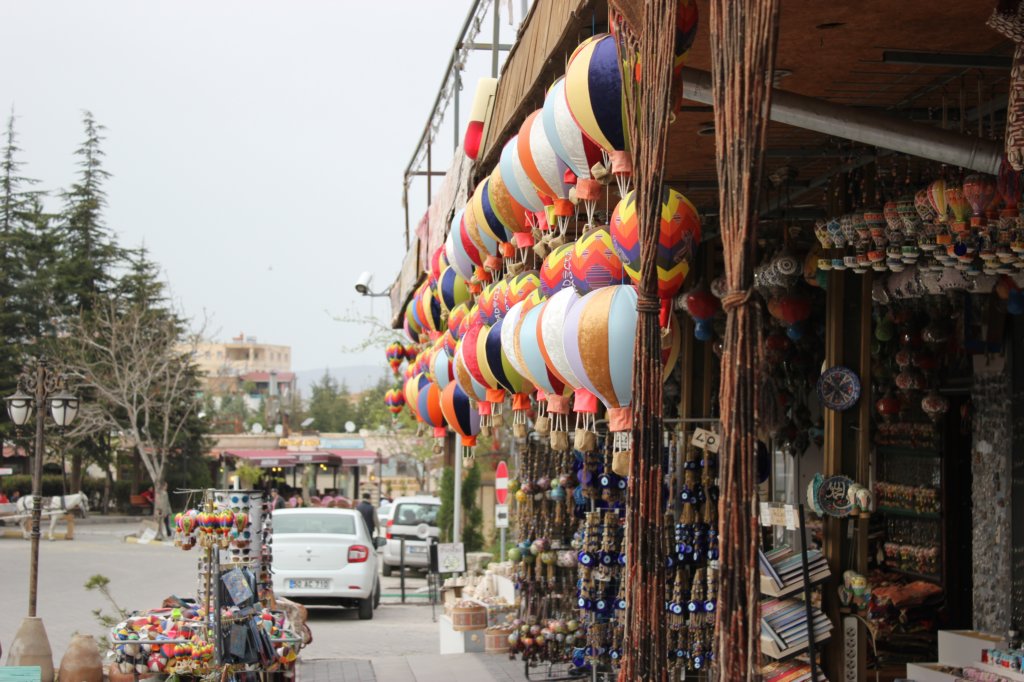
x: 257, y: 147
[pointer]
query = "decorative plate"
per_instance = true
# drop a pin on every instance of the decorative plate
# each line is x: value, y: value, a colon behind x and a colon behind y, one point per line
x: 833, y: 497
x: 838, y: 388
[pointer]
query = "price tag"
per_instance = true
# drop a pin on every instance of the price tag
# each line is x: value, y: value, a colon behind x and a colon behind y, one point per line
x: 778, y: 515
x: 790, y: 517
x: 766, y: 519
x: 706, y: 440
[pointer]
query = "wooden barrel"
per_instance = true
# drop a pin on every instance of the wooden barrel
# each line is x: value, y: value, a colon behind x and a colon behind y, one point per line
x: 469, y: 618
x: 496, y: 640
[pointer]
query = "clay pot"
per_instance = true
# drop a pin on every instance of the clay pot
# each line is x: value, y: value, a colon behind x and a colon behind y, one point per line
x: 82, y: 662
x: 31, y: 646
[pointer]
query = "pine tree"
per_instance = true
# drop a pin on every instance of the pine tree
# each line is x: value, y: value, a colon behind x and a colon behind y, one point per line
x: 17, y: 203
x: 89, y: 253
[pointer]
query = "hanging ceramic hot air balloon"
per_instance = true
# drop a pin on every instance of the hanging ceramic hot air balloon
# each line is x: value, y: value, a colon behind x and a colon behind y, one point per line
x: 501, y: 203
x: 458, y: 411
x: 601, y: 329
x: 499, y: 299
x: 980, y: 192
x: 511, y: 381
x: 545, y: 170
x: 594, y: 263
x: 464, y: 379
x: 438, y: 262
x: 574, y: 148
x: 518, y: 182
x: 485, y: 88
x: 452, y: 289
x: 474, y: 356
x: 429, y: 408
x: 395, y: 353
x: 593, y: 91
x: 793, y: 310
x: 395, y: 400
x: 485, y: 304
x: 412, y: 388
x: 552, y: 392
x: 441, y: 366
x: 520, y: 287
x: 412, y: 326
x: 555, y: 272
x: 410, y: 352
x: 678, y: 238
x: 456, y: 248
x: 484, y: 244
x: 430, y: 311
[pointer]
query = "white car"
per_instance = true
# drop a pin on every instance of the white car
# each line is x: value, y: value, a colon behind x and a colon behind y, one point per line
x: 413, y: 519
x: 383, y: 514
x: 325, y: 556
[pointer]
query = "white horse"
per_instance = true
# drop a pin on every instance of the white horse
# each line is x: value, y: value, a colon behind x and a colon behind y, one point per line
x: 52, y: 507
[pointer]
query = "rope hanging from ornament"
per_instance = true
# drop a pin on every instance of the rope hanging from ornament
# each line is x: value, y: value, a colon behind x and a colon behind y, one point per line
x: 743, y: 44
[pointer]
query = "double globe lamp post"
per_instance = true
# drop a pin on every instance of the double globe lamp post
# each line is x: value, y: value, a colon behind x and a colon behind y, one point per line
x: 38, y: 389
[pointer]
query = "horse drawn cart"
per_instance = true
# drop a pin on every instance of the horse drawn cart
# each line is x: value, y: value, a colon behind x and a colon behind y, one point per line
x: 54, y: 509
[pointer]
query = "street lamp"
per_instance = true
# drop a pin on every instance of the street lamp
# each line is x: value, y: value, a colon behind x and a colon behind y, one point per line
x: 37, y: 389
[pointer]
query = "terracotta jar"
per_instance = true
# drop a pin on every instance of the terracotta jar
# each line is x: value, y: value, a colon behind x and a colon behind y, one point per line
x: 81, y: 662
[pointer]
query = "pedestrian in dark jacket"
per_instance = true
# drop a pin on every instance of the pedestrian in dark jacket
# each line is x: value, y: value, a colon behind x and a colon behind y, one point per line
x: 369, y: 514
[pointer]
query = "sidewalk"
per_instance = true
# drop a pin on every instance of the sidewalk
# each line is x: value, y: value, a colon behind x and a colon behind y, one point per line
x: 416, y: 668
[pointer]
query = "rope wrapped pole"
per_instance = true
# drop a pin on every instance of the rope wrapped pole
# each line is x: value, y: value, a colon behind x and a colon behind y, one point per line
x: 646, y: 33
x: 743, y: 44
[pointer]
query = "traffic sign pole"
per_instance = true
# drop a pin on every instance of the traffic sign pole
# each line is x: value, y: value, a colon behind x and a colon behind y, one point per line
x: 501, y: 497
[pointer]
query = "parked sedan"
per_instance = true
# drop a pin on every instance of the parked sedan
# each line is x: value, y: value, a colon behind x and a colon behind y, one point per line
x: 325, y: 556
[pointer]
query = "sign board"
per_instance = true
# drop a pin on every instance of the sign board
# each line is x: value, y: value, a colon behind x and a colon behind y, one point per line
x: 305, y: 458
x: 269, y: 462
x: 299, y: 442
x: 6, y: 471
x: 501, y: 483
x: 451, y: 557
x: 501, y: 516
x: 706, y: 440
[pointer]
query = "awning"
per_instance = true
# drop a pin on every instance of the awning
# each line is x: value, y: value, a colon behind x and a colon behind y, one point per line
x: 280, y: 457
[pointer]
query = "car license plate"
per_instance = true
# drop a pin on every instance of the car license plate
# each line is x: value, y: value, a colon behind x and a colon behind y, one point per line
x: 308, y: 584
x: 417, y: 550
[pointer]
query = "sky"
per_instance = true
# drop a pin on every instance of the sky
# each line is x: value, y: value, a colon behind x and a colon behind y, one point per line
x: 257, y: 146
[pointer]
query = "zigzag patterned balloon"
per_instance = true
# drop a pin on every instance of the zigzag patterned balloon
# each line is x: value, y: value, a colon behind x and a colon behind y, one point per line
x: 555, y: 271
x: 594, y: 262
x: 678, y: 238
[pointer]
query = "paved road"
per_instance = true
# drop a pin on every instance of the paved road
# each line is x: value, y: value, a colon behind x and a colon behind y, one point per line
x: 400, y: 644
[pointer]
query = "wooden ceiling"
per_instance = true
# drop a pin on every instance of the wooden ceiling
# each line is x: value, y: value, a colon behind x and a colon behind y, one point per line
x: 834, y: 51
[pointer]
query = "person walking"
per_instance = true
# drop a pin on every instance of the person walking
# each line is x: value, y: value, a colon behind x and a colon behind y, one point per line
x: 162, y: 504
x: 365, y: 507
x: 276, y: 501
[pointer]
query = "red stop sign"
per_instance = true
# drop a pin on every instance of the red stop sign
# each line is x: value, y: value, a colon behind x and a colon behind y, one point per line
x: 501, y: 483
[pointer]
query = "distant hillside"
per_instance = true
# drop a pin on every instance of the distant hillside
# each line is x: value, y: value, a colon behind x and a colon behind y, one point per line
x: 358, y: 378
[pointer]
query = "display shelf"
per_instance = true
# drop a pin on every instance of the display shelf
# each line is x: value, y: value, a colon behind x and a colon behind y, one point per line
x: 896, y: 511
x: 998, y: 670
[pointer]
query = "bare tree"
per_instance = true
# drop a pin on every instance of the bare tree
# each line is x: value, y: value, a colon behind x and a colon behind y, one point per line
x: 135, y: 365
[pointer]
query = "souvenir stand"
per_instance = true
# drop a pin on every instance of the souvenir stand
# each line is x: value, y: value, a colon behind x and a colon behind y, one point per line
x: 233, y: 627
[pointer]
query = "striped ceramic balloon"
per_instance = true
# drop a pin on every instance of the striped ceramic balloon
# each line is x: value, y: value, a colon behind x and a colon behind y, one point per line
x: 464, y: 379
x: 438, y: 262
x: 485, y: 304
x: 570, y: 144
x: 678, y: 237
x: 550, y: 326
x: 555, y: 272
x: 441, y: 366
x: 448, y: 340
x: 593, y: 91
x: 413, y: 386
x: 509, y: 212
x: 485, y: 244
x: 500, y: 365
x: 499, y: 299
x: 594, y: 262
x: 460, y: 413
x: 429, y: 407
x: 452, y: 288
x: 430, y: 312
x: 545, y: 170
x: 527, y: 350
x: 515, y: 178
x: 474, y: 355
x: 508, y: 335
x: 455, y: 248
x: 599, y: 333
x: 487, y: 219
